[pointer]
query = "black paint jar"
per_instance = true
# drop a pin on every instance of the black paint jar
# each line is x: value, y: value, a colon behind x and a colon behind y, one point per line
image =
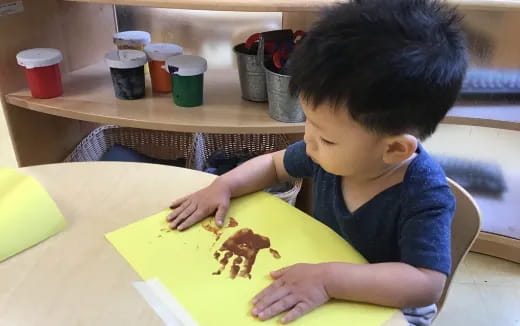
x: 127, y: 70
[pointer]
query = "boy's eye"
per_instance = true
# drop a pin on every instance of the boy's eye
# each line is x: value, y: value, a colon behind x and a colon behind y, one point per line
x: 327, y: 142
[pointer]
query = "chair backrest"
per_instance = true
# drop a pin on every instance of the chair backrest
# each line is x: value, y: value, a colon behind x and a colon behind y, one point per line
x: 464, y: 231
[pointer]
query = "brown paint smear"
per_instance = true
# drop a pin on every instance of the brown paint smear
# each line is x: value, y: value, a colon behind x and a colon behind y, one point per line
x: 163, y: 230
x: 232, y: 223
x: 244, y: 245
x: 275, y: 253
x: 211, y: 227
x: 217, y: 231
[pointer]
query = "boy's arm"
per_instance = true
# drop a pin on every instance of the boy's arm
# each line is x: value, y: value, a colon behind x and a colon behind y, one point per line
x: 301, y: 288
x: 254, y: 175
x: 389, y: 284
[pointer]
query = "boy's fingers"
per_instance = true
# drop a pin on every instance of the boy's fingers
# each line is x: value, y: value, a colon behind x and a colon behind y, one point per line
x: 178, y: 210
x: 194, y: 218
x: 278, y: 307
x: 296, y: 312
x: 176, y: 215
x: 178, y: 202
x: 268, y: 290
x: 277, y: 274
x: 190, y: 209
x: 220, y: 215
x: 186, y: 212
x: 268, y: 300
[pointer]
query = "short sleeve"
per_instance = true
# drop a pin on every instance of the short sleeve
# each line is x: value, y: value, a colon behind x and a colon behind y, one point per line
x: 296, y: 161
x: 425, y: 233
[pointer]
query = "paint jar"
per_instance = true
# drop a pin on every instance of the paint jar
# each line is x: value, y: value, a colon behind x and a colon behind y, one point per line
x: 157, y: 54
x: 282, y: 105
x: 187, y: 73
x: 42, y: 71
x: 132, y: 40
x: 127, y: 70
x: 251, y: 73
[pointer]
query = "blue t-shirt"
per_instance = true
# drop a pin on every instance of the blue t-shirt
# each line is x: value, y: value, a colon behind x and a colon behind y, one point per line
x: 409, y: 222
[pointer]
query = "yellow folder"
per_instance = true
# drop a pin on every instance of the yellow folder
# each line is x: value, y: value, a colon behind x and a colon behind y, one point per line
x: 28, y: 215
x: 189, y: 264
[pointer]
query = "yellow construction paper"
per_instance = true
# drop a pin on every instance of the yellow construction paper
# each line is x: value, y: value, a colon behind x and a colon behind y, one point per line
x: 28, y: 215
x: 184, y: 262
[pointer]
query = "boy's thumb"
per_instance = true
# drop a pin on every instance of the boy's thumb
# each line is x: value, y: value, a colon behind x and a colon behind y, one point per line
x: 220, y: 215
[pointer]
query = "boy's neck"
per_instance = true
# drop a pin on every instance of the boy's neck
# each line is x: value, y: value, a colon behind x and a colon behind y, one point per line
x: 389, y: 173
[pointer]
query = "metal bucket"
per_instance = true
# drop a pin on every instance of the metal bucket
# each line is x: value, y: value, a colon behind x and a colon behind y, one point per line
x: 282, y: 106
x: 251, y: 74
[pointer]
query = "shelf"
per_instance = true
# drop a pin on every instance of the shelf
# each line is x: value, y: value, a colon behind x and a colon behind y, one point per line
x: 498, y: 246
x: 277, y: 5
x: 503, y: 116
x: 224, y: 5
x: 89, y: 96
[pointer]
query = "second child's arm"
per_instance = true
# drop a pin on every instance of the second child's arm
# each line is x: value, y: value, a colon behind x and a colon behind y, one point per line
x: 254, y: 175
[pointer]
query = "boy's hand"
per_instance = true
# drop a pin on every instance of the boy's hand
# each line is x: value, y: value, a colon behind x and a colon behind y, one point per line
x: 298, y: 289
x: 197, y: 206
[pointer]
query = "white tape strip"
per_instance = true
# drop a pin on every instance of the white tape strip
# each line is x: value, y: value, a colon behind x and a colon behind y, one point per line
x: 164, y: 304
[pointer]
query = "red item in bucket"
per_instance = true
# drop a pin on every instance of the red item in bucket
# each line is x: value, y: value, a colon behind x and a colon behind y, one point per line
x: 42, y: 71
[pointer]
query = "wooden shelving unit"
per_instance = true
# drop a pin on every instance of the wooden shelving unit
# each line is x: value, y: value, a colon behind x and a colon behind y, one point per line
x: 504, y: 116
x: 89, y: 96
x: 278, y: 5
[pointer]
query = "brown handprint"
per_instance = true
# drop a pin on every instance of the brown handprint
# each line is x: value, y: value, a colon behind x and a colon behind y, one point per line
x: 210, y: 226
x: 244, y: 245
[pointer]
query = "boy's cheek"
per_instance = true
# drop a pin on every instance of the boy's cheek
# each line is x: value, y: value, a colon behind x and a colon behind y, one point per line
x: 334, y: 165
x: 331, y: 168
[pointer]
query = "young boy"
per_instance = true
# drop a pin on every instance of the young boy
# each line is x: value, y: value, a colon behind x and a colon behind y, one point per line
x: 374, y: 78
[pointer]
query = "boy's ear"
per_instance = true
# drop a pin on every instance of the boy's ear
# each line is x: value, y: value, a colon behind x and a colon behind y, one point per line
x: 399, y: 148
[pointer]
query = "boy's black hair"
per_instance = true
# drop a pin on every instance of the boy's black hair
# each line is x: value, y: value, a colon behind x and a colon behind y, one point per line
x: 396, y: 65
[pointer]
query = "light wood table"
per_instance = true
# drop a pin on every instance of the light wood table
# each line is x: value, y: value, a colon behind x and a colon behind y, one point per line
x: 77, y: 277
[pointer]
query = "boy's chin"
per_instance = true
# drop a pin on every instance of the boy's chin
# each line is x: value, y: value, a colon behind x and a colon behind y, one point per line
x: 332, y: 171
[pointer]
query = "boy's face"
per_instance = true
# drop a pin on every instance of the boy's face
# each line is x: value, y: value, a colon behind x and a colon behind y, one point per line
x: 340, y: 145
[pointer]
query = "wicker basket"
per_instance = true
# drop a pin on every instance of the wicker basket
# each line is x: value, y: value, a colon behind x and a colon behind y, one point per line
x: 206, y: 144
x: 163, y: 145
